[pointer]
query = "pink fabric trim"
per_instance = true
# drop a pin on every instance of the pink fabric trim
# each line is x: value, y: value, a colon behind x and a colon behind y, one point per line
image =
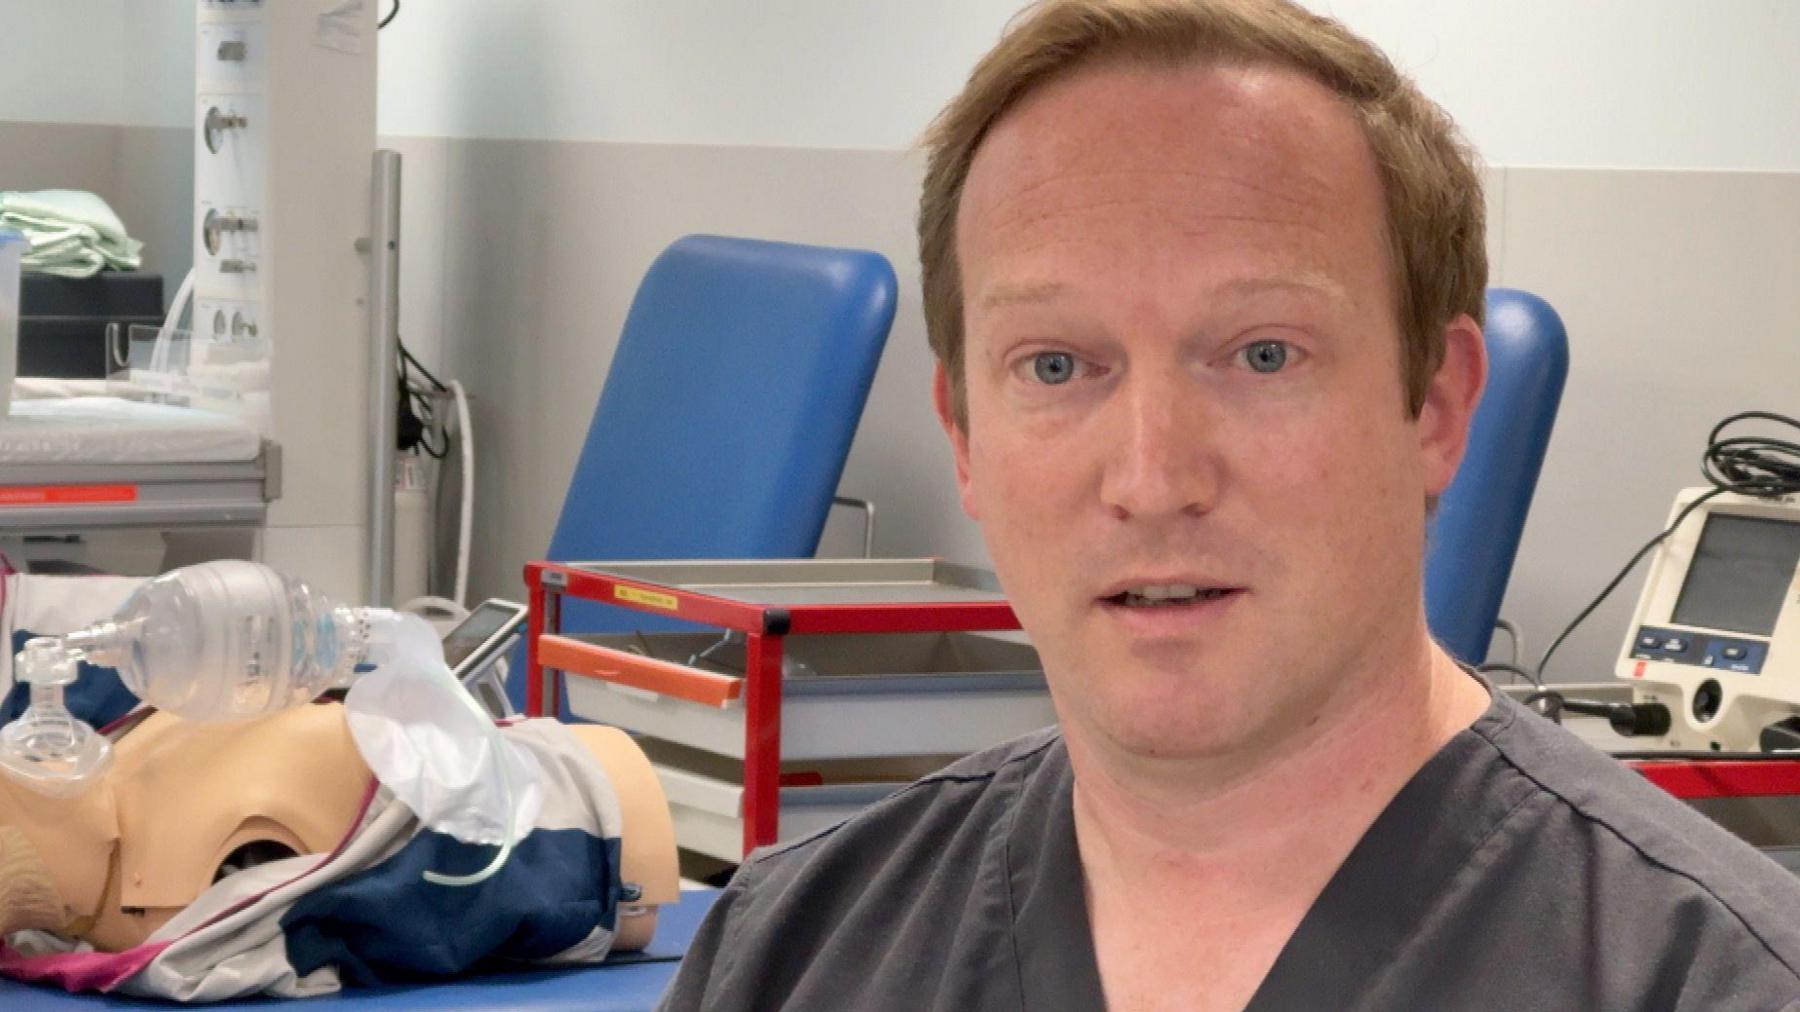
x: 81, y: 971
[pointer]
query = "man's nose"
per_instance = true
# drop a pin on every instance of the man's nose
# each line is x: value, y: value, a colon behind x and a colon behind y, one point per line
x: 1164, y: 459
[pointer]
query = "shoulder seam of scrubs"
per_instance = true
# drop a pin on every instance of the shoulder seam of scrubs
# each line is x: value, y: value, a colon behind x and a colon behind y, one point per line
x: 776, y: 850
x: 1444, y: 889
x: 1487, y: 736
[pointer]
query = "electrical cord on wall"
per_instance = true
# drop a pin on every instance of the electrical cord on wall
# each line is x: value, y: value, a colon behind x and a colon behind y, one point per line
x: 1512, y: 669
x: 1517, y: 636
x: 418, y: 411
x: 393, y: 12
x: 1759, y: 466
x: 422, y: 427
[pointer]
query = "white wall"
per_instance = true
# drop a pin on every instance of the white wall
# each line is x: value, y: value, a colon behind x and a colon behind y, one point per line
x: 1612, y: 83
x: 60, y: 57
x: 782, y: 73
x: 1604, y: 83
x: 127, y: 62
x: 155, y: 75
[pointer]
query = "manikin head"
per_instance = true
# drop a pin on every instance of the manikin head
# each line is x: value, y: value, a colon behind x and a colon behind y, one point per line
x: 1205, y: 281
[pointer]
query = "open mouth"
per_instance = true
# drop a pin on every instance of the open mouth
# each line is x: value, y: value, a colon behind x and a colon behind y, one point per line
x: 1167, y: 596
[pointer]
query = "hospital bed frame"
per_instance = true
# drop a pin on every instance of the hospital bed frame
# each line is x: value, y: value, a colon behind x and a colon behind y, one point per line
x: 69, y: 498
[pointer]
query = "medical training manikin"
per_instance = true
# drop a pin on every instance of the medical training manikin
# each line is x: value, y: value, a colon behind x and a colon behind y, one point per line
x: 398, y: 833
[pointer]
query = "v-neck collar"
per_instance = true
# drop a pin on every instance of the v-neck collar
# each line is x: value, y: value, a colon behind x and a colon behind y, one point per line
x: 1051, y: 939
x: 1370, y: 906
x: 1385, y: 888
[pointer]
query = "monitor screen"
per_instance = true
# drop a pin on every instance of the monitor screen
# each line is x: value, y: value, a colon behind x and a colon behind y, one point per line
x: 482, y: 623
x: 1740, y: 574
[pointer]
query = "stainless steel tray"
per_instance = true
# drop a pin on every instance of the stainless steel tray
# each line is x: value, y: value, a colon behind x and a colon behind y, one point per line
x: 790, y: 582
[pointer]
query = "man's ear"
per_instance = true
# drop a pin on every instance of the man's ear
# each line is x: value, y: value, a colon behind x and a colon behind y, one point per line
x: 944, y: 400
x: 1450, y: 401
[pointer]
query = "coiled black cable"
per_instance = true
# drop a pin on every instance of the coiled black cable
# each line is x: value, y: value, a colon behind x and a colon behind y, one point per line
x: 419, y: 422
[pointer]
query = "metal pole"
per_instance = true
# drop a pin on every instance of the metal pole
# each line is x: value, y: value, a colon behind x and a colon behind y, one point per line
x: 384, y: 346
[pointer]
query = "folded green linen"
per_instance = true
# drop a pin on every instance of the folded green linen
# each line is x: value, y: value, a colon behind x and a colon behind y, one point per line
x: 72, y: 233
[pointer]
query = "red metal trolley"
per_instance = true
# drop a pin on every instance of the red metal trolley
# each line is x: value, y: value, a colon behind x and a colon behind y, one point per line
x: 766, y: 602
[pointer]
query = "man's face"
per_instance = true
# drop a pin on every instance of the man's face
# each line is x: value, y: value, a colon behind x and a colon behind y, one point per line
x: 1182, y: 374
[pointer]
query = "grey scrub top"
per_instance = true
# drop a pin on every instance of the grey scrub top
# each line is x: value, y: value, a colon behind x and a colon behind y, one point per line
x: 1518, y: 869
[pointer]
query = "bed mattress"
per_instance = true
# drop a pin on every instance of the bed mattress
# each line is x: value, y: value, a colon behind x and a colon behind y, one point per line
x: 111, y: 430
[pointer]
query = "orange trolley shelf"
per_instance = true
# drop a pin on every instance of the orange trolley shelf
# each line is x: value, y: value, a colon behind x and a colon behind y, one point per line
x: 764, y: 602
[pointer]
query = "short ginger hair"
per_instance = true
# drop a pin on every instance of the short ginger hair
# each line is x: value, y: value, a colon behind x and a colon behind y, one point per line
x: 1430, y: 184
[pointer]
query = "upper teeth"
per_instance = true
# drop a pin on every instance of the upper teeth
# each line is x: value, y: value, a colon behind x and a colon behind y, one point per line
x: 1165, y: 591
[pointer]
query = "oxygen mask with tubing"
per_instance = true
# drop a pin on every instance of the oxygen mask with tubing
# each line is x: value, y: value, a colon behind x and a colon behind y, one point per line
x: 233, y: 640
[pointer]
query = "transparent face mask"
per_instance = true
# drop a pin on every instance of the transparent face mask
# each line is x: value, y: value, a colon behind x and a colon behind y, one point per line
x: 46, y: 748
x: 235, y: 640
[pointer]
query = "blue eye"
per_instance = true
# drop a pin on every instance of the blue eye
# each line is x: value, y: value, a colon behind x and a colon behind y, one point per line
x: 1266, y: 356
x: 1053, y: 368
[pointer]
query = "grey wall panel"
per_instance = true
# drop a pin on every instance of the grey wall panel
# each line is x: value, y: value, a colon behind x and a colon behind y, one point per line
x: 1680, y: 298
x: 1493, y: 187
x: 67, y: 156
x: 155, y: 197
x: 426, y: 221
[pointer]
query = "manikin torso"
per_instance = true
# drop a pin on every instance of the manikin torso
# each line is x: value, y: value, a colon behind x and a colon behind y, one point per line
x: 185, y: 802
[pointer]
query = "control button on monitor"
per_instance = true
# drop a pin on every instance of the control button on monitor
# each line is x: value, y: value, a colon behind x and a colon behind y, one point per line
x: 1735, y: 653
x: 1675, y: 643
x: 1649, y: 642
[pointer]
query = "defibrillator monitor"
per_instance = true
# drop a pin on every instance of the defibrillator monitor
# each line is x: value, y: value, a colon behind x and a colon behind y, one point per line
x: 475, y: 646
x: 1716, y: 634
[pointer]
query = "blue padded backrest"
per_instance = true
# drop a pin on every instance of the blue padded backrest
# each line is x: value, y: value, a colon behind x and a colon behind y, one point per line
x: 726, y: 417
x: 1475, y: 535
x: 728, y: 411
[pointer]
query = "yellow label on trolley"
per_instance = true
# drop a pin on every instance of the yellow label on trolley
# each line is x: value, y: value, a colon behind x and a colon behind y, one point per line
x: 651, y: 598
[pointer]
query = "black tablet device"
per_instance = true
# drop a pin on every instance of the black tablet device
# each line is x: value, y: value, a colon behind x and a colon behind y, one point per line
x: 474, y: 648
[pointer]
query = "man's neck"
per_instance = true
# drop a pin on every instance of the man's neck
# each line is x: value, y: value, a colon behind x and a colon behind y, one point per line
x: 1353, y: 754
x: 1213, y: 862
